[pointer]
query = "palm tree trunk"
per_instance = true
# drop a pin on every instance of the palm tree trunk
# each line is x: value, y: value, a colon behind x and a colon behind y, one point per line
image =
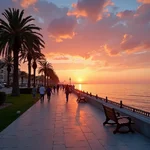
x: 15, y: 86
x: 34, y: 66
x: 29, y: 74
x: 34, y: 76
x: 44, y: 79
x: 8, y: 74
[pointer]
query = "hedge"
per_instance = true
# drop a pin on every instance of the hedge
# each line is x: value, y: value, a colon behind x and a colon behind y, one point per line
x: 2, y: 97
x: 25, y: 90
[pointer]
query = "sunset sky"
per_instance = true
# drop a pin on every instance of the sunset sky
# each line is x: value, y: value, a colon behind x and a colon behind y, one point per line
x: 93, y: 41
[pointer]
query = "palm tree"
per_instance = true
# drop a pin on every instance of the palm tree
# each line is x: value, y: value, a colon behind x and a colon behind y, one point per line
x: 49, y: 74
x: 44, y: 66
x: 54, y: 77
x: 18, y: 34
x: 28, y: 56
x: 1, y: 63
x: 34, y: 66
x: 39, y: 57
x: 23, y: 75
x: 8, y: 62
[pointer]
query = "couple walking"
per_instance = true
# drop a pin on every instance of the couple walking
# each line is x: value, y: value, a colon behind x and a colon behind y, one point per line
x: 42, y: 91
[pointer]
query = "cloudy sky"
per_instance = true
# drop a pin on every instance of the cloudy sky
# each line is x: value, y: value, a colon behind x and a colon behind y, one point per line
x: 96, y: 41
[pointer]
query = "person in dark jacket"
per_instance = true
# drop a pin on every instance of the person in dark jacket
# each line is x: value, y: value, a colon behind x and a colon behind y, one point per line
x: 67, y: 91
x: 48, y: 92
x: 57, y: 88
x: 54, y: 87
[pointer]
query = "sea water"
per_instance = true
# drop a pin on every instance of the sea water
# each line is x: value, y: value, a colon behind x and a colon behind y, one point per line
x: 134, y: 95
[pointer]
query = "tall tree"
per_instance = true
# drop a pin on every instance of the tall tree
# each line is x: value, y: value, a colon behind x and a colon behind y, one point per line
x: 36, y: 57
x: 51, y: 75
x: 54, y: 77
x: 44, y: 66
x: 18, y: 34
x: 29, y: 56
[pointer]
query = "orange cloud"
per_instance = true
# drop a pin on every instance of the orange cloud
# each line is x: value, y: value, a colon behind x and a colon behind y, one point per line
x: 93, y: 9
x: 27, y: 3
x: 144, y: 1
x: 129, y: 43
x: 59, y: 38
x: 125, y: 14
x: 62, y: 28
x: 76, y: 13
x: 62, y: 58
x: 111, y: 50
x: 126, y: 37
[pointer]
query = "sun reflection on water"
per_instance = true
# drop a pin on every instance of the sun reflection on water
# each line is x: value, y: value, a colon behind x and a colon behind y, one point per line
x: 80, y: 86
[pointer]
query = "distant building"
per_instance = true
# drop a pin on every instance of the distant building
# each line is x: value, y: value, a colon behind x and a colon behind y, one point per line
x: 3, y: 74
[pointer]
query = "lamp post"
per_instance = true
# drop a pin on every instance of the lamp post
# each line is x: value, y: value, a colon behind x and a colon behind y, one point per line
x: 70, y: 80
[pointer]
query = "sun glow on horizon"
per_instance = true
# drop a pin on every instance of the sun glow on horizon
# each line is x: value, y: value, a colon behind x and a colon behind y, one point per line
x: 80, y: 80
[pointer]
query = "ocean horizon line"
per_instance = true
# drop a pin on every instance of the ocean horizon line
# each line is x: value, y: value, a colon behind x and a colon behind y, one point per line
x: 111, y: 83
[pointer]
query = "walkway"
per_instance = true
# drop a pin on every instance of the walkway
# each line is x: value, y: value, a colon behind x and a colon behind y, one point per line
x: 58, y: 125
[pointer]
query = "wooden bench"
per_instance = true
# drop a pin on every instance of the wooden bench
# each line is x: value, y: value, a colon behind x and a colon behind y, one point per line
x: 120, y: 121
x: 81, y: 98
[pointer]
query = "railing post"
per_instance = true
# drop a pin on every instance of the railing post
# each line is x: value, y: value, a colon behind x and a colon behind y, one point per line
x: 96, y: 96
x: 106, y: 99
x: 90, y: 94
x: 121, y: 104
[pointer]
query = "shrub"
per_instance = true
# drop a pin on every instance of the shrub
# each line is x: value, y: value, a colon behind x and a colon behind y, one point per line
x: 2, y: 97
x: 25, y: 90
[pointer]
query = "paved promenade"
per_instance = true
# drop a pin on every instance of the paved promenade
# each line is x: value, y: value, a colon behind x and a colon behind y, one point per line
x: 57, y: 125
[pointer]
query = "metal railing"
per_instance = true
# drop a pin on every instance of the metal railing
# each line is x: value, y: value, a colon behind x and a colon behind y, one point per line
x: 121, y: 105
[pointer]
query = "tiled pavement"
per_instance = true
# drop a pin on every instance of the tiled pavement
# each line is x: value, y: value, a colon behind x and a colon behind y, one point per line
x: 57, y: 125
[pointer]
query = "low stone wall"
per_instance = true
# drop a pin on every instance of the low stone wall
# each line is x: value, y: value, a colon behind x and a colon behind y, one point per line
x: 141, y: 123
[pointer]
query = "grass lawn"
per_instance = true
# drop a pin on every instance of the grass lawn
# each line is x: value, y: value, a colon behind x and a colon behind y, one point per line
x: 22, y: 103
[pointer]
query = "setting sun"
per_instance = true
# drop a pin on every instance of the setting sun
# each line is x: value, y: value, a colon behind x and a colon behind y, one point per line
x: 79, y: 80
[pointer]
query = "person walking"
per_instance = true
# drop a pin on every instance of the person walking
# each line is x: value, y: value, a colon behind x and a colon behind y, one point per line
x: 54, y: 87
x: 42, y: 92
x: 67, y: 91
x: 48, y: 92
x: 57, y: 88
